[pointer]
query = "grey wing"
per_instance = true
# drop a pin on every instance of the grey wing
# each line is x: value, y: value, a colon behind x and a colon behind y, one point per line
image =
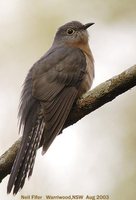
x: 56, y: 85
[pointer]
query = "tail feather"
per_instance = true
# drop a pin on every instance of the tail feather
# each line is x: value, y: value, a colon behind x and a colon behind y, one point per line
x: 37, y: 143
x: 24, y: 167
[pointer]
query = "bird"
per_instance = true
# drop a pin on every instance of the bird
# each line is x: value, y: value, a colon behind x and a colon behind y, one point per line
x: 53, y: 84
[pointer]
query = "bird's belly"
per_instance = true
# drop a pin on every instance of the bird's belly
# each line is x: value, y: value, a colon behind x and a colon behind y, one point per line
x: 88, y: 78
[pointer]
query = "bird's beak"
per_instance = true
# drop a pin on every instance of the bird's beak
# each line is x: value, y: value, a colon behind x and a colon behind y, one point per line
x: 88, y: 25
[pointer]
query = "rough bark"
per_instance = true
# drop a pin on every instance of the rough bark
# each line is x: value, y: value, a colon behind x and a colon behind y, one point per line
x: 92, y: 100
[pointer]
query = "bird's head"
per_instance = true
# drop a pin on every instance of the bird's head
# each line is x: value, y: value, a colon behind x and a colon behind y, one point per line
x: 72, y: 33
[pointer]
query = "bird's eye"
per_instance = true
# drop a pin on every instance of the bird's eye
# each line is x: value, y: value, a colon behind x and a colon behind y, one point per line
x: 70, y: 31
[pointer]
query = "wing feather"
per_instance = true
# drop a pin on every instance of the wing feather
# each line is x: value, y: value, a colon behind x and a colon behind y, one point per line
x: 55, y: 122
x: 56, y: 80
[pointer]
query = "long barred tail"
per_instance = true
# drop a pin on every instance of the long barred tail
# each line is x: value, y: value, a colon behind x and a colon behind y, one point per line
x: 24, y: 162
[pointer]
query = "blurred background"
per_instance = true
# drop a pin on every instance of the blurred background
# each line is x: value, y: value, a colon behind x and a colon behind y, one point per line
x: 96, y: 156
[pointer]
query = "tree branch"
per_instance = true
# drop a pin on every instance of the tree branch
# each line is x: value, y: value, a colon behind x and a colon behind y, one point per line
x: 92, y: 100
